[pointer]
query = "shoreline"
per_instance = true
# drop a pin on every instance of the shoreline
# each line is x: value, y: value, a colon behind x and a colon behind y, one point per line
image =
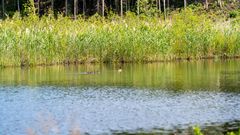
x: 175, y: 60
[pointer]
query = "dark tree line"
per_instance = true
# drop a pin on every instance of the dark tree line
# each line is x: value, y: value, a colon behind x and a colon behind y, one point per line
x: 90, y: 7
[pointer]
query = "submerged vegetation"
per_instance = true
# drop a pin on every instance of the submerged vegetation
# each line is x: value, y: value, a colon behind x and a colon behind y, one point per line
x: 185, y: 34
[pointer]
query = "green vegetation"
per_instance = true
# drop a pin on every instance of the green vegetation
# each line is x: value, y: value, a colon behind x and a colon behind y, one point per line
x: 187, y: 34
x: 197, y: 131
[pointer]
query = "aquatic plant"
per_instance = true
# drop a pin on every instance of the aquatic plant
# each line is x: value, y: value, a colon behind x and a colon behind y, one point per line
x: 197, y: 131
x: 234, y: 133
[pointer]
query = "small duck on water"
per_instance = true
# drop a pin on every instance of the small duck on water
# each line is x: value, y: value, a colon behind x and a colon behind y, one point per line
x: 119, y: 70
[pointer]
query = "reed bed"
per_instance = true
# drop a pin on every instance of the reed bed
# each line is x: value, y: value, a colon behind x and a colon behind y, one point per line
x: 47, y: 40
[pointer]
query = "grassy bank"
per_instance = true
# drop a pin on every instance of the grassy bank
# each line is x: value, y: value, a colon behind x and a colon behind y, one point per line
x: 187, y: 34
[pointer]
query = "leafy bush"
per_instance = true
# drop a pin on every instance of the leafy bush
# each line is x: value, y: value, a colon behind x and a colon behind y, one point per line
x: 233, y: 14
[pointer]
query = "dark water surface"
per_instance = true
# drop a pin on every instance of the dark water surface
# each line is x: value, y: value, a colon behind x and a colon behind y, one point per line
x: 144, y: 98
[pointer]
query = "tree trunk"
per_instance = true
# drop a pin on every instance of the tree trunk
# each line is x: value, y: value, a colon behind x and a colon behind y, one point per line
x: 103, y: 5
x: 156, y: 4
x: 38, y: 4
x: 75, y: 9
x: 18, y: 6
x: 164, y: 9
x: 84, y: 6
x: 3, y: 9
x: 117, y: 6
x: 66, y: 7
x: 128, y: 6
x: 138, y: 7
x: 159, y: 5
x: 206, y: 4
x: 52, y: 5
x: 185, y: 3
x: 121, y: 4
x: 98, y: 6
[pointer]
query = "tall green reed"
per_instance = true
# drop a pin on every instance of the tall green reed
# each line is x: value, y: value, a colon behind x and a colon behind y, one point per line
x: 44, y: 41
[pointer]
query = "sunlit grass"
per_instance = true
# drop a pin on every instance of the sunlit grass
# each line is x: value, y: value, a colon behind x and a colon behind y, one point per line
x: 45, y: 41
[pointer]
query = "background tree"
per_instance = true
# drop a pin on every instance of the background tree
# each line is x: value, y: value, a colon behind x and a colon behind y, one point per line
x: 75, y: 8
x: 3, y: 8
x: 84, y: 6
x: 18, y: 6
x: 164, y: 9
x: 103, y: 5
x: 90, y: 7
x: 66, y: 7
x: 206, y: 4
x: 121, y: 1
x: 52, y: 5
x: 159, y: 5
x: 185, y: 3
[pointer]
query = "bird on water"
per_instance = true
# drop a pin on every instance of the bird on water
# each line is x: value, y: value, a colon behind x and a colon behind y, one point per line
x: 119, y: 70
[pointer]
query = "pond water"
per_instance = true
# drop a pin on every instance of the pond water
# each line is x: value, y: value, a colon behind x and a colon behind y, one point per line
x: 164, y: 98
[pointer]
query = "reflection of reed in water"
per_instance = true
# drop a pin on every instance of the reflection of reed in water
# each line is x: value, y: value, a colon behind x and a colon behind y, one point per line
x: 229, y: 81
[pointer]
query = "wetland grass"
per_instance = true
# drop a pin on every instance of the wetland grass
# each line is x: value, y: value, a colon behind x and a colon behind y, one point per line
x: 45, y: 41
